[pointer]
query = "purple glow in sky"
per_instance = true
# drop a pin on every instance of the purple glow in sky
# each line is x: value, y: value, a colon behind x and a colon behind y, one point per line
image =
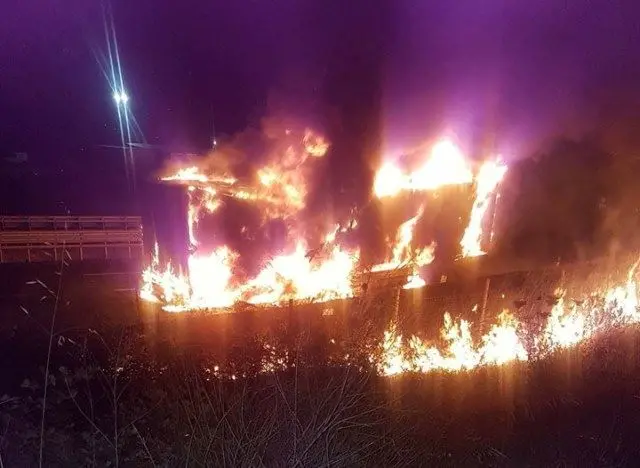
x: 514, y: 72
x: 499, y: 74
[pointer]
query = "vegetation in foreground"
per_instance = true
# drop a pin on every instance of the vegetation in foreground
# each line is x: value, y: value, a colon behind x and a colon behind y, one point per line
x: 113, y: 400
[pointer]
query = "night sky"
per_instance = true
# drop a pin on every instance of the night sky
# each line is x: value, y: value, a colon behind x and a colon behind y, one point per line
x: 376, y: 75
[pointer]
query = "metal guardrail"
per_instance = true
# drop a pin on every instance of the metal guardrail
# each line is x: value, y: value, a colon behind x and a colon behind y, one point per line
x: 29, y: 223
x: 47, y: 238
x: 69, y: 237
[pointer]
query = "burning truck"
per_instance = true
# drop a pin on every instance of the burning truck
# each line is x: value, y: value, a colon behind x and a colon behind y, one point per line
x: 318, y: 263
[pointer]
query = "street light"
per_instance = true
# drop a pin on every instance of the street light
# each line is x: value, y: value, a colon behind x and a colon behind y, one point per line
x: 113, y: 73
x: 121, y: 97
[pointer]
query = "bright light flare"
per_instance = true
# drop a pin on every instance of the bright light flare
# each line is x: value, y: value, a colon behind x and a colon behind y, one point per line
x: 121, y: 97
x: 446, y: 166
x: 389, y: 181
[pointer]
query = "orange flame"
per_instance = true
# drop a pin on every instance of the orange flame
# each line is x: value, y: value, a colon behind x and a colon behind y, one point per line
x: 208, y: 283
x: 207, y: 201
x: 504, y: 343
x: 279, y: 188
x: 446, y: 165
x: 280, y: 191
x: 294, y: 276
x: 499, y: 346
x: 402, y: 253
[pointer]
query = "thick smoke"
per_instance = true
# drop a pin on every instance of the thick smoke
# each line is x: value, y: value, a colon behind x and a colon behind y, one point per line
x: 576, y: 198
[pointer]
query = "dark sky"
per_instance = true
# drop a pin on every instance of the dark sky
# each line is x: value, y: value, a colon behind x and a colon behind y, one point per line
x: 512, y: 72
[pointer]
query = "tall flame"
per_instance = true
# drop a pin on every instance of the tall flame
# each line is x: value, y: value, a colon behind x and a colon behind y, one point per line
x: 200, y: 200
x: 489, y: 177
x: 445, y: 166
